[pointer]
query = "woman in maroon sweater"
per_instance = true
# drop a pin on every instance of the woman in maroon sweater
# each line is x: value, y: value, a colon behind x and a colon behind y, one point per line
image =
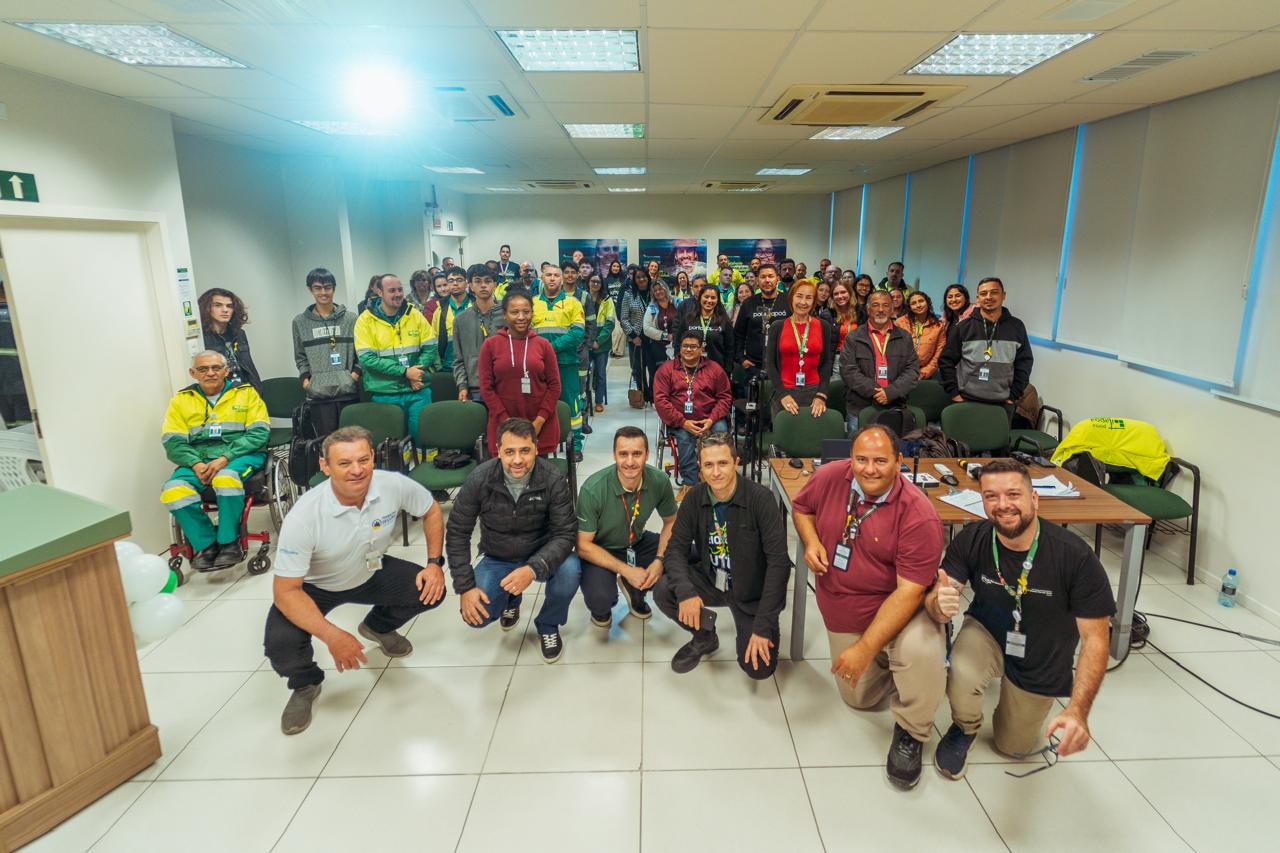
x: 519, y: 376
x: 800, y: 344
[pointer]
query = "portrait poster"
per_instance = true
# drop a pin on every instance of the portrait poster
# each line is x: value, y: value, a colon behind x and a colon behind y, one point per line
x: 740, y: 252
x: 675, y: 254
x: 600, y: 252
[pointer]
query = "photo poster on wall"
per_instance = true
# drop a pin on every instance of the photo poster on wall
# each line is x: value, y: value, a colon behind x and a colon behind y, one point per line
x: 675, y: 254
x: 740, y: 252
x: 600, y: 252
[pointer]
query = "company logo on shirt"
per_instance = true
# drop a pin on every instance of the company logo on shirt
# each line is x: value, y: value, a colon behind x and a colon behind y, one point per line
x: 993, y: 582
x: 378, y: 522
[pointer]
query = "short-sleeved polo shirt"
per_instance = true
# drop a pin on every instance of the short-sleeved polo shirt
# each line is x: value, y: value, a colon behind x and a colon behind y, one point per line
x: 603, y: 508
x: 902, y: 538
x: 328, y: 544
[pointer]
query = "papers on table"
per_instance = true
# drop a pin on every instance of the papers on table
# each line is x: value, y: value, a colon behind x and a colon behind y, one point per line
x: 966, y: 499
x: 1052, y: 487
x: 923, y: 479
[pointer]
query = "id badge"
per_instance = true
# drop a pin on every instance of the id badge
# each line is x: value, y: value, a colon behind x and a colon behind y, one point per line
x: 984, y: 373
x: 799, y: 378
x: 688, y: 407
x: 882, y: 371
x: 526, y: 385
x: 1015, y: 644
x: 335, y: 358
x: 631, y: 556
x: 404, y: 360
x: 215, y: 430
x: 373, y: 561
x: 722, y: 580
x: 841, y: 559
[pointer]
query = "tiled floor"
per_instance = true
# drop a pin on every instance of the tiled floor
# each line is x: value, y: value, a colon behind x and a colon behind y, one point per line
x: 472, y: 744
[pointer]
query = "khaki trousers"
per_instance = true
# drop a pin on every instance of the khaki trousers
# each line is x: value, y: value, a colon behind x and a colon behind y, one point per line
x: 976, y: 659
x: 911, y: 667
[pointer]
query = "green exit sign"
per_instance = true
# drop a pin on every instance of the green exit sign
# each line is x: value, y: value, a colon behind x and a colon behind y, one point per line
x: 18, y: 186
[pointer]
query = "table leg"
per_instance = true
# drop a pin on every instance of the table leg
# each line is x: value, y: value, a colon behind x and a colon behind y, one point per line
x: 1135, y: 536
x: 799, y: 601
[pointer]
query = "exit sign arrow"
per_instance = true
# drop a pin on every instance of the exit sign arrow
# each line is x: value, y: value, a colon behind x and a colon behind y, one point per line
x: 18, y: 186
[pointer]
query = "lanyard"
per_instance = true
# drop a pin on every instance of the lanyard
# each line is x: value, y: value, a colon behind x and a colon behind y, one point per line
x: 705, y: 323
x: 722, y: 533
x: 634, y: 512
x: 852, y: 524
x: 524, y: 360
x: 688, y: 381
x: 990, y: 336
x: 1022, y: 579
x: 880, y: 344
x: 919, y: 333
x: 484, y: 331
x: 802, y: 345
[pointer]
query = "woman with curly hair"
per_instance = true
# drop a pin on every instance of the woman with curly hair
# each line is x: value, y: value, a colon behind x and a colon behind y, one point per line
x: 223, y: 317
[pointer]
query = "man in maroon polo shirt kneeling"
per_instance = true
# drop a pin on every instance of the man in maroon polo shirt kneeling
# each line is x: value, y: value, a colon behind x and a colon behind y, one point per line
x: 875, y: 543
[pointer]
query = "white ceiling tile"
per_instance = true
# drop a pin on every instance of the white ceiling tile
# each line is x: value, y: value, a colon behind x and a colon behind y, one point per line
x: 579, y: 113
x: 621, y: 150
x: 906, y: 15
x: 231, y: 82
x: 749, y: 127
x: 752, y: 148
x: 746, y: 14
x: 685, y: 121
x: 548, y: 14
x: 826, y: 151
x: 622, y: 87
x: 1050, y: 119
x: 177, y: 14
x: 393, y: 13
x: 962, y: 121
x: 96, y: 11
x: 831, y: 57
x: 678, y: 148
x: 1028, y: 16
x: 685, y: 69
x: 1239, y: 60
x: 1199, y: 15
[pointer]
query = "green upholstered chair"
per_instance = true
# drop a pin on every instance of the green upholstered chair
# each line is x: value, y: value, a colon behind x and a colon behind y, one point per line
x: 982, y: 426
x: 448, y: 425
x: 565, y: 445
x: 801, y: 435
x: 836, y: 395
x: 1154, y: 499
x: 931, y: 398
x: 1045, y: 443
x: 282, y: 394
x: 868, y: 415
x: 443, y: 387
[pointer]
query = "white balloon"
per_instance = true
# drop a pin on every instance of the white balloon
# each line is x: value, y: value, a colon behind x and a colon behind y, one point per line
x: 143, y: 575
x: 156, y: 618
x: 125, y: 550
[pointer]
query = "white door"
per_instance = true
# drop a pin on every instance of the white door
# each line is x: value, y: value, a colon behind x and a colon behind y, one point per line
x: 96, y: 350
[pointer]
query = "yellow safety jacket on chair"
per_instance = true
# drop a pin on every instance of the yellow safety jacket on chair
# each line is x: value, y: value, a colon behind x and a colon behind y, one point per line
x: 1122, y: 442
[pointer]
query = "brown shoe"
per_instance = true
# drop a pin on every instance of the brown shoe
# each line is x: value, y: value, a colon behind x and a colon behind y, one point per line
x: 599, y: 407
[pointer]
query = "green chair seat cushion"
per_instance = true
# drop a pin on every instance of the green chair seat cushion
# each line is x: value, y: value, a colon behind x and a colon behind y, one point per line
x: 560, y: 462
x: 279, y: 436
x: 1045, y: 441
x: 1151, y: 500
x: 316, y: 479
x: 434, y: 478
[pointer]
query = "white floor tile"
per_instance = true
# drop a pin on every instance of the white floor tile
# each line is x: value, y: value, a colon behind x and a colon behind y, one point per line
x: 224, y: 637
x: 584, y: 717
x: 815, y: 633
x: 713, y: 717
x: 441, y: 638
x: 256, y: 587
x: 1142, y: 713
x: 85, y: 827
x: 605, y: 813
x: 419, y: 813
x: 244, y: 741
x: 1176, y: 637
x: 246, y: 816
x: 180, y: 703
x: 955, y: 819
x: 192, y: 609
x: 663, y: 637
x: 1214, y: 804
x: 1252, y: 677
x: 420, y: 721
x: 1071, y: 807
x: 348, y: 617
x: 1237, y: 618
x: 584, y: 642
x: 734, y: 811
x: 826, y: 731
x: 206, y: 586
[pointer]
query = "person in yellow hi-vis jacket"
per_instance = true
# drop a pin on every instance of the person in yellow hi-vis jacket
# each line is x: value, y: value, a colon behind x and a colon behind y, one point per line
x: 559, y: 318
x: 216, y: 433
x: 397, y: 349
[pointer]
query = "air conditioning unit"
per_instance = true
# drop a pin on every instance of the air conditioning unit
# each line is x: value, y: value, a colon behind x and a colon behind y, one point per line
x: 559, y: 186
x: 1145, y: 62
x: 851, y: 104
x: 475, y: 102
x: 736, y: 186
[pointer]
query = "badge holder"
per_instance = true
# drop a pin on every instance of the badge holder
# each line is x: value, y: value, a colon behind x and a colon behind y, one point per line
x: 841, y: 559
x: 526, y: 385
x: 335, y: 358
x: 215, y: 430
x: 1015, y: 643
x: 882, y: 372
x: 722, y: 580
x: 631, y: 557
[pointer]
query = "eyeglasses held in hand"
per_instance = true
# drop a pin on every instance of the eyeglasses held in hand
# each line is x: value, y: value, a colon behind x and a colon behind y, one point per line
x: 1049, y: 753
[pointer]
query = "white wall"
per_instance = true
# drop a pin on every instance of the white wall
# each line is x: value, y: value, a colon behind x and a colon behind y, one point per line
x: 533, y: 225
x: 844, y: 228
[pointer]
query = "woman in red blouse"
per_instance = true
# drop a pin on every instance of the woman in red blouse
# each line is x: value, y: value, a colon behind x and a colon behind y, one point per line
x: 801, y: 351
x: 519, y: 376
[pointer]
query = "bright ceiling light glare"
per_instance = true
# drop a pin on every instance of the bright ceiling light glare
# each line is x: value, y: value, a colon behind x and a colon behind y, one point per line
x: 454, y: 170
x: 626, y: 189
x: 340, y: 128
x: 746, y: 189
x: 985, y: 54
x: 377, y: 94
x: 621, y: 170
x: 605, y: 131
x: 789, y: 171
x: 573, y: 50
x: 861, y: 131
x: 505, y: 189
x: 134, y: 44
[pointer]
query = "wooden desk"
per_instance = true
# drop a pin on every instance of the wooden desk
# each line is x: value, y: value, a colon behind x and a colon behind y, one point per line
x: 1094, y: 506
x: 73, y: 718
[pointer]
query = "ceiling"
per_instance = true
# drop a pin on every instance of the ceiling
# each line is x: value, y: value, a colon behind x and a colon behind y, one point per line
x: 709, y: 71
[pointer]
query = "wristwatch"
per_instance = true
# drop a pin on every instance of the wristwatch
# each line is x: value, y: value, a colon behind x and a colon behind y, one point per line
x: 436, y: 561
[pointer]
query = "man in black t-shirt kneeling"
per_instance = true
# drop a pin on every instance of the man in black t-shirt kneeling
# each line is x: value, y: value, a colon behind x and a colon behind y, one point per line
x: 1037, y: 590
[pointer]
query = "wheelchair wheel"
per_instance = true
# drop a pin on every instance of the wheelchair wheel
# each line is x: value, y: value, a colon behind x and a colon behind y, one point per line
x: 259, y: 564
x: 282, y: 491
x: 175, y: 564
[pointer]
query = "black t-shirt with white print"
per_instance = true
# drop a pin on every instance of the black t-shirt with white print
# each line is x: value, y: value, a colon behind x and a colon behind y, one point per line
x: 1066, y: 582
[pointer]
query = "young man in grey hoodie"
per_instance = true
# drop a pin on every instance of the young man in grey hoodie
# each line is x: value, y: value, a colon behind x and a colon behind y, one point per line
x: 324, y: 350
x: 471, y: 327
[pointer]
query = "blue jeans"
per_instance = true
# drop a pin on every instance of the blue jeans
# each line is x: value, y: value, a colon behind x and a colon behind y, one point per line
x: 557, y: 594
x: 850, y: 424
x: 687, y: 452
x: 599, y: 375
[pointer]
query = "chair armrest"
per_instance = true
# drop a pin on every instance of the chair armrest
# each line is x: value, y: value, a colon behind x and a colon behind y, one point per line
x: 1057, y: 414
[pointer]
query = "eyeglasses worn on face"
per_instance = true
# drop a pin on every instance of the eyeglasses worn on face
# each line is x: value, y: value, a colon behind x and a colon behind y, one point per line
x: 209, y: 370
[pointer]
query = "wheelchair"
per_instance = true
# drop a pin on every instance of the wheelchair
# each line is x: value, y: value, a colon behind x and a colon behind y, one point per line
x: 256, y: 493
x: 666, y: 443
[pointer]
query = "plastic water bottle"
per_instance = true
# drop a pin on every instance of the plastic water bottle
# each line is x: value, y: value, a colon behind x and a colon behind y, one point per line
x: 1227, y: 595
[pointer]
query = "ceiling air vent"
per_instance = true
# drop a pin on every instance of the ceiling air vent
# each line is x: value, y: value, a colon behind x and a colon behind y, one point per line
x: 736, y: 186
x: 475, y: 103
x: 559, y: 186
x: 849, y: 104
x: 1149, y: 60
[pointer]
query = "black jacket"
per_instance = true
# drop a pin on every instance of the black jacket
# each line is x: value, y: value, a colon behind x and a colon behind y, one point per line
x: 858, y: 368
x: 773, y: 357
x: 540, y: 529
x: 235, y: 346
x: 963, y: 357
x: 718, y: 340
x: 757, y: 550
x: 755, y: 316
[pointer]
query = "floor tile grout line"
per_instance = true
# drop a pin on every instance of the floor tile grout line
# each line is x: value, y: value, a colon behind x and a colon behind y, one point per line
x: 987, y: 814
x: 804, y: 780
x: 462, y: 830
x: 1231, y: 728
x: 1159, y: 813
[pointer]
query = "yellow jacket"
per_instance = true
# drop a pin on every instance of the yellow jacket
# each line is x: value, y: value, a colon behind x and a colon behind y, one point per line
x: 1117, y: 441
x: 562, y: 322
x: 387, y: 346
x: 195, y: 431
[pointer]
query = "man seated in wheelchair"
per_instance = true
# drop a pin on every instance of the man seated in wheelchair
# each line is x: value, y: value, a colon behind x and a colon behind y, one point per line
x: 215, y: 432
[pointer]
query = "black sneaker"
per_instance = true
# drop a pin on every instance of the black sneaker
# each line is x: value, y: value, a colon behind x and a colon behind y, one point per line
x: 635, y: 599
x: 692, y: 653
x: 603, y: 620
x: 228, y: 555
x: 953, y: 752
x: 903, y: 766
x: 511, y: 616
x: 552, y: 646
x: 204, y: 561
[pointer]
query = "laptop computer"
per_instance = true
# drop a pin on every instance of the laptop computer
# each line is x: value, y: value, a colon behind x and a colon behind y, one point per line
x: 836, y: 448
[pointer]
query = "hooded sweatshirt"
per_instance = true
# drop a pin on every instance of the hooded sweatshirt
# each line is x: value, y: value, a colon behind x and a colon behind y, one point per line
x: 324, y: 350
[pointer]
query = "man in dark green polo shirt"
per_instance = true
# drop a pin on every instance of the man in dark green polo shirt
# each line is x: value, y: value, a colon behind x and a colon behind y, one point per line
x: 613, y: 507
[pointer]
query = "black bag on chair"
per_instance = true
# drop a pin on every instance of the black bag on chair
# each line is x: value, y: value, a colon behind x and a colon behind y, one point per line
x: 448, y: 459
x: 1085, y: 465
x: 304, y: 460
x: 900, y: 419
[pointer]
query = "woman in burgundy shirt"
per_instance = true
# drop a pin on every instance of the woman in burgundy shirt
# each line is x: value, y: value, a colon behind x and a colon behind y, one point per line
x: 801, y: 351
x: 519, y: 376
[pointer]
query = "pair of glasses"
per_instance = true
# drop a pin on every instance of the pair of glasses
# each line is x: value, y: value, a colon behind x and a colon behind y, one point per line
x: 1049, y: 752
x: 210, y: 369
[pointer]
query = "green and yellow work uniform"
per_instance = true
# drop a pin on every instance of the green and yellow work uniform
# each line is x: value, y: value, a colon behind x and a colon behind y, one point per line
x: 442, y: 325
x: 564, y: 324
x: 387, y: 347
x: 234, y: 425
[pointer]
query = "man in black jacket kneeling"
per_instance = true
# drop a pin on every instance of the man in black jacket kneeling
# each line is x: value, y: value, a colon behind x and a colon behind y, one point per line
x: 527, y: 532
x: 728, y: 548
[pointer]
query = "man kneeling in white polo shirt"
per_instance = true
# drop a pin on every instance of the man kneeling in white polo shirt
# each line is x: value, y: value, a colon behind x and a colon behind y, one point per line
x: 332, y: 551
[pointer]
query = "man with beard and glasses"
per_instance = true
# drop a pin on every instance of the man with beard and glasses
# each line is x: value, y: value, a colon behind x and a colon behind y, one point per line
x: 1037, y: 590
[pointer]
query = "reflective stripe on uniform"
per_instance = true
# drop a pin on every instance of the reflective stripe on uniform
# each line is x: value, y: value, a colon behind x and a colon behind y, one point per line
x: 227, y: 482
x: 178, y: 493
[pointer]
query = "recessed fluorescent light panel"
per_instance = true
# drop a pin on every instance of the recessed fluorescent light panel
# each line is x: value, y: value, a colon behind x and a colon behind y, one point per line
x: 573, y: 50
x: 505, y: 189
x: 789, y: 170
x: 605, y: 131
x: 454, y: 170
x: 341, y: 128
x: 134, y: 44
x: 978, y: 54
x: 626, y: 189
x: 620, y: 170
x: 864, y: 131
